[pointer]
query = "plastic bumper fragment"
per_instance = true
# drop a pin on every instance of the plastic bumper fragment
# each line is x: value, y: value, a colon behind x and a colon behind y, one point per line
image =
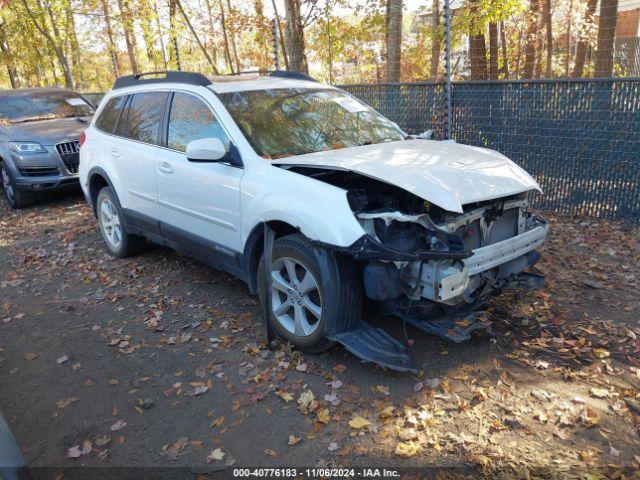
x: 375, y: 345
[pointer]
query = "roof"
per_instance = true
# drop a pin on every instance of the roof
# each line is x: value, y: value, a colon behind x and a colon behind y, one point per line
x: 221, y: 83
x: 243, y: 83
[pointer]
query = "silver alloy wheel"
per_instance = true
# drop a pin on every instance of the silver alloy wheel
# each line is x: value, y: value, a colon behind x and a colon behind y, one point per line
x: 6, y: 184
x: 296, y: 300
x: 110, y: 223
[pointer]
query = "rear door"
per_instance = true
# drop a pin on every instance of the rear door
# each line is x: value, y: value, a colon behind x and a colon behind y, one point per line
x: 199, y: 201
x: 134, y: 151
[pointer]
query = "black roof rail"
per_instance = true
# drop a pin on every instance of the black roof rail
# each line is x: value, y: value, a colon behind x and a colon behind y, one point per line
x: 169, y: 76
x: 279, y: 73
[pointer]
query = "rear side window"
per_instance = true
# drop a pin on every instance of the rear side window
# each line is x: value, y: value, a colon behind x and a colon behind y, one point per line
x: 191, y: 119
x: 109, y: 115
x: 144, y: 116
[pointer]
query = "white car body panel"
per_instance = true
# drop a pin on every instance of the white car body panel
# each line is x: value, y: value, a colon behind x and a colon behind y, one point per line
x: 319, y: 210
x: 446, y: 174
x: 225, y: 203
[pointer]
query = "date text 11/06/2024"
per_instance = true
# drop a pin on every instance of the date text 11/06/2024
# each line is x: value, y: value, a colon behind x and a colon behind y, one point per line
x: 316, y: 472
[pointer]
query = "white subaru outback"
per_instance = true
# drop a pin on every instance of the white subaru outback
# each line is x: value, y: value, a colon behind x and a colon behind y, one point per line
x: 358, y: 209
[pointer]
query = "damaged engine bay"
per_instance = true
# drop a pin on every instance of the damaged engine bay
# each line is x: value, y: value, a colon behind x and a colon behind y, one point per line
x: 433, y: 268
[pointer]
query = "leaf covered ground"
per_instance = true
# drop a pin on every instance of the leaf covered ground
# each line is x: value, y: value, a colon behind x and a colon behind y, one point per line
x: 159, y: 360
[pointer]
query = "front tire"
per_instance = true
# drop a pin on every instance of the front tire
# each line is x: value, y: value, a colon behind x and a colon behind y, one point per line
x: 119, y: 243
x: 313, y: 293
x: 16, y: 198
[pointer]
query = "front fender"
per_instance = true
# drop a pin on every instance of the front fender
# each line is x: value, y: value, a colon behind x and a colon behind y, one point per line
x: 320, y: 211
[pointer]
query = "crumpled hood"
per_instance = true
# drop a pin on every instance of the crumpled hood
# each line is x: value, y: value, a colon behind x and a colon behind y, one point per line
x: 446, y: 174
x: 46, y: 132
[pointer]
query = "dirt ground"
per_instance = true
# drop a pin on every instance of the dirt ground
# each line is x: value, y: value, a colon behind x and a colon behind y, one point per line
x: 158, y: 360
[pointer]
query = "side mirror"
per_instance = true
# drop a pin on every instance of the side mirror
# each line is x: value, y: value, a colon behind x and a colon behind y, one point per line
x: 206, y: 150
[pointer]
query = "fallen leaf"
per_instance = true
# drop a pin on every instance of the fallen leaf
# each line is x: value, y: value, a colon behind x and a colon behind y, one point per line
x: 323, y: 416
x: 601, y: 353
x: 119, y: 425
x: 74, y: 452
x: 359, y: 422
x: 216, y: 454
x: 65, y: 402
x: 387, y: 412
x: 30, y: 356
x: 103, y: 440
x: 408, y: 449
x: 270, y: 452
x: 293, y: 440
x: 286, y: 396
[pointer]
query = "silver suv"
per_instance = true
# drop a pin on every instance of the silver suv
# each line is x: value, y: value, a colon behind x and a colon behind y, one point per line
x: 39, y: 133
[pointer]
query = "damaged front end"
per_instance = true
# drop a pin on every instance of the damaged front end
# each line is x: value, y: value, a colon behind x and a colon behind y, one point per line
x: 434, y: 268
x: 459, y: 260
x: 430, y: 267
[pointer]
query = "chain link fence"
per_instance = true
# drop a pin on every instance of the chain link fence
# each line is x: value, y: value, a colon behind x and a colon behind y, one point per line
x: 580, y: 138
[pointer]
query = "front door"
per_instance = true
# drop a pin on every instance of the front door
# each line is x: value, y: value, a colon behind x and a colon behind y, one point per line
x: 199, y: 201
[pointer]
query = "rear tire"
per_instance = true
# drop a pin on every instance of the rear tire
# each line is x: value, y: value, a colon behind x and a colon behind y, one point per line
x: 119, y: 243
x: 16, y: 198
x: 309, y: 301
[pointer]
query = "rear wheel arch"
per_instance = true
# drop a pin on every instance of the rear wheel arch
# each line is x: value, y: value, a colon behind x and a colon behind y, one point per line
x: 98, y: 179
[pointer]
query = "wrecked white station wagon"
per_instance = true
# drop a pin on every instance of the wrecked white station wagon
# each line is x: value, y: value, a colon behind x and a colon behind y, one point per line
x: 315, y: 200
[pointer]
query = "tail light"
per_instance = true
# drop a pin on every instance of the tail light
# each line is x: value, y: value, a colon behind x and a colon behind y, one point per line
x: 83, y: 137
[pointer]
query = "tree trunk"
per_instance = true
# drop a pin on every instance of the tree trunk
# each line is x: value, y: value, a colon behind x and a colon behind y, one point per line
x: 232, y: 35
x: 195, y: 35
x: 531, y: 40
x: 117, y: 68
x: 295, y: 37
x: 505, y: 57
x: 225, y: 37
x: 174, y: 54
x: 75, y: 49
x: 493, y: 51
x: 212, y: 29
x: 435, y: 39
x: 567, y: 41
x: 583, y: 42
x: 61, y: 57
x: 162, y: 51
x: 281, y: 35
x: 394, y: 40
x: 477, y: 45
x: 129, y: 35
x: 606, y: 37
x: 549, y: 31
x: 8, y: 59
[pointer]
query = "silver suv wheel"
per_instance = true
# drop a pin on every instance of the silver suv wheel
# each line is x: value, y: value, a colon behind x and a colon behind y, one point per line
x: 110, y: 223
x: 296, y: 300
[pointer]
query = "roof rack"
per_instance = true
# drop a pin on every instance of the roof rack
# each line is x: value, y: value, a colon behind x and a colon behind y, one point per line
x: 279, y: 73
x: 169, y: 76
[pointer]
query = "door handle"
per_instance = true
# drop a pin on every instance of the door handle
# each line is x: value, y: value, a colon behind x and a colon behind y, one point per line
x: 165, y: 167
x: 115, y: 154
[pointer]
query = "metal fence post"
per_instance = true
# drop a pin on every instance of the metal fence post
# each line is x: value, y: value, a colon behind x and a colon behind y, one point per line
x: 447, y: 62
x: 276, y: 57
x: 177, y: 50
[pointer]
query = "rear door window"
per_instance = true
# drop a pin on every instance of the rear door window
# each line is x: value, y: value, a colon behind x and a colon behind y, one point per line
x: 191, y: 119
x: 109, y: 115
x: 144, y: 117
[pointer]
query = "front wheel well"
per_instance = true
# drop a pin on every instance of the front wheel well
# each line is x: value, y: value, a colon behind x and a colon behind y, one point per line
x: 255, y: 247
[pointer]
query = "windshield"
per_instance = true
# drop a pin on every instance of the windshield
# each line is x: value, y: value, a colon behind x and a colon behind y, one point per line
x: 37, y: 105
x: 293, y: 121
